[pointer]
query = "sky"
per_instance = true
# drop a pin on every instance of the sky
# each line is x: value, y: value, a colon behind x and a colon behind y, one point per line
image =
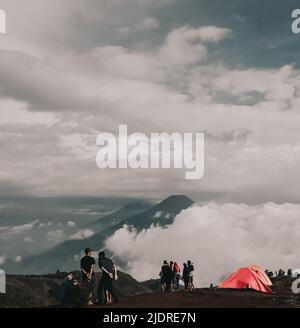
x: 72, y: 69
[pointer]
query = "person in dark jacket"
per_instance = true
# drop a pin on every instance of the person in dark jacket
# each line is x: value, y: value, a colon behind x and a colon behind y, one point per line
x: 87, y: 264
x: 166, y: 277
x: 69, y: 292
x: 185, y: 276
x: 105, y: 289
x: 173, y: 276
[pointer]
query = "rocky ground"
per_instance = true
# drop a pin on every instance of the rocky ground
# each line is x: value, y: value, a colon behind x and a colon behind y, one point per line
x: 282, y: 297
x: 41, y: 291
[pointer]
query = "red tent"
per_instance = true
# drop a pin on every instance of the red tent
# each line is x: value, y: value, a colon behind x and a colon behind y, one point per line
x: 251, y: 277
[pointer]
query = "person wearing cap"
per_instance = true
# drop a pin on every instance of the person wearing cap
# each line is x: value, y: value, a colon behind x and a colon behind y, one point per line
x: 87, y: 264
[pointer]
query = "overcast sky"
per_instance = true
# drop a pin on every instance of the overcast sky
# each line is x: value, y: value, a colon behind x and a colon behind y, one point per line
x: 72, y: 69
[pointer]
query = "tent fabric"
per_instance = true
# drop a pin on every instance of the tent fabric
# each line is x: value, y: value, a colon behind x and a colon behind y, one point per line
x: 263, y: 276
x: 251, y: 277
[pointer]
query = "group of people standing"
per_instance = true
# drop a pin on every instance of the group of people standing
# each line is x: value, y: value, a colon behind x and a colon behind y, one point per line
x: 105, y: 290
x: 170, y: 275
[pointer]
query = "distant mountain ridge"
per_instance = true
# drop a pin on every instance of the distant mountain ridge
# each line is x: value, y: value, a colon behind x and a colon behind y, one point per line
x: 161, y: 214
x: 65, y: 256
x: 116, y: 217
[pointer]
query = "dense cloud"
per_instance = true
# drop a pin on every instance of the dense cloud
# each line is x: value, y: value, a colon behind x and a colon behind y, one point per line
x: 217, y: 238
x: 159, y: 66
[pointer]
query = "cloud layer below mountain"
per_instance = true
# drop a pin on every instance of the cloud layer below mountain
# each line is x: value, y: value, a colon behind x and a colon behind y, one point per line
x: 217, y: 238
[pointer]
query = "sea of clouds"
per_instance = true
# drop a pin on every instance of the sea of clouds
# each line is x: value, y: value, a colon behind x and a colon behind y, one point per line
x: 19, y: 241
x: 217, y: 238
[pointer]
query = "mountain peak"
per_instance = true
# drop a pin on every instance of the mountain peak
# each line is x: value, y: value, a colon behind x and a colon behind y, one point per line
x: 175, y: 203
x: 179, y: 197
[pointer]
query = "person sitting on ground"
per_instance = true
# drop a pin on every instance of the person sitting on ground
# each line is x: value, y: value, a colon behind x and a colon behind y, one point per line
x: 191, y: 276
x: 185, y: 276
x: 69, y: 287
x: 109, y: 273
x: 177, y: 275
x: 87, y: 264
